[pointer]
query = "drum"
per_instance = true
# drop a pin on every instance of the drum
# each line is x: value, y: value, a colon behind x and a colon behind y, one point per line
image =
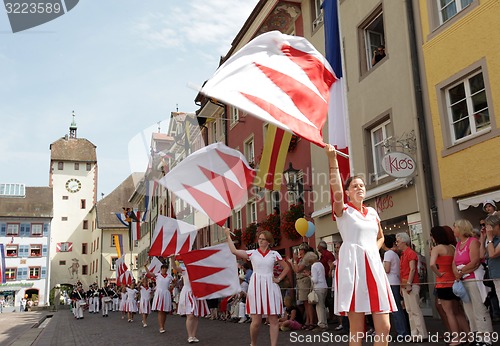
x: 106, y: 299
x: 82, y: 303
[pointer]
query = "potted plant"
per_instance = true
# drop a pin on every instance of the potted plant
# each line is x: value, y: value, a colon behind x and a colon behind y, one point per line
x: 248, y: 235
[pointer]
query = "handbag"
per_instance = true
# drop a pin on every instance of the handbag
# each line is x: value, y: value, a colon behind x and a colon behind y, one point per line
x: 312, y: 297
x: 486, y: 279
x: 459, y: 290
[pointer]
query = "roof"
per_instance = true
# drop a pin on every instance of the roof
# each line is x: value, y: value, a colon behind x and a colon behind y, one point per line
x: 73, y: 149
x: 115, y: 201
x: 37, y: 202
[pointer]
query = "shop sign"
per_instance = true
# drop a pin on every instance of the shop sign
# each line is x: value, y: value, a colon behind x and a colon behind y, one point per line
x: 398, y: 165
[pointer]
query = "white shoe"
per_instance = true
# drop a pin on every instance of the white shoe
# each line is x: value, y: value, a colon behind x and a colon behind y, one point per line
x: 243, y: 319
x: 144, y: 325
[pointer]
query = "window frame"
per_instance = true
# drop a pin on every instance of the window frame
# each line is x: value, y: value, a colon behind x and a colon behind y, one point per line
x: 365, y: 48
x: 435, y: 25
x: 237, y: 221
x: 10, y: 269
x: 11, y: 246
x: 235, y: 116
x: 34, y: 268
x: 60, y: 166
x: 35, y: 247
x: 85, y: 248
x: 12, y: 234
x: 33, y: 227
x: 85, y: 269
x: 317, y: 15
x: 252, y: 212
x: 249, y: 150
x: 77, y: 166
x: 449, y: 147
x: 112, y: 263
x: 83, y: 204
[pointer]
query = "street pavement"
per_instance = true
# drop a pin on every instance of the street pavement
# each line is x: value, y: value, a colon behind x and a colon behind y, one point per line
x: 61, y: 328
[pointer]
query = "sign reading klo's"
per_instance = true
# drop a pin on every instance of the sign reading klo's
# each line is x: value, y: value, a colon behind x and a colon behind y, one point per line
x: 398, y: 165
x: 26, y: 14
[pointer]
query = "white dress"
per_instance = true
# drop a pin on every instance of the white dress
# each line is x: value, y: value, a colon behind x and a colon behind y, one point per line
x: 188, y: 304
x: 123, y: 301
x: 145, y: 301
x: 131, y: 302
x: 162, y: 300
x: 264, y: 296
x: 361, y: 283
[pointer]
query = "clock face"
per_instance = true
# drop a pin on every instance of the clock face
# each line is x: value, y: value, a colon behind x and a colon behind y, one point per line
x: 73, y: 185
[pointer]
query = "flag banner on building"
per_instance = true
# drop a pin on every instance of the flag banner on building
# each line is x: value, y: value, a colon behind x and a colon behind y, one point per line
x: 135, y: 227
x: 273, y: 158
x: 155, y: 265
x: 64, y: 247
x: 212, y: 271
x: 214, y: 180
x: 118, y: 238
x: 122, y: 218
x: 120, y: 267
x: 280, y: 79
x: 2, y: 263
x: 171, y: 237
x: 338, y: 122
x: 125, y: 279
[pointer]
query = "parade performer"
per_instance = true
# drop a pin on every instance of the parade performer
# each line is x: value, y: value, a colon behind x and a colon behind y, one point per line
x: 162, y: 300
x: 189, y: 305
x: 80, y: 302
x: 361, y: 286
x: 145, y: 301
x: 131, y: 301
x: 264, y: 295
x: 123, y: 300
x: 116, y: 299
x: 105, y: 292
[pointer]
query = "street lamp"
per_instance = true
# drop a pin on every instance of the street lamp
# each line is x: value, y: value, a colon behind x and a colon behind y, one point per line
x: 291, y: 178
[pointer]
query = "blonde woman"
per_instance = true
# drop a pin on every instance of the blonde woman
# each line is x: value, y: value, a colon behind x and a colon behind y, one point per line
x: 466, y: 261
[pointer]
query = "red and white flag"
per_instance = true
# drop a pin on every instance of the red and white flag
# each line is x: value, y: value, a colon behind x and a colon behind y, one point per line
x: 212, y: 271
x: 171, y: 237
x: 214, y: 180
x: 120, y: 267
x: 135, y: 227
x: 280, y: 79
x: 155, y: 265
x: 126, y: 278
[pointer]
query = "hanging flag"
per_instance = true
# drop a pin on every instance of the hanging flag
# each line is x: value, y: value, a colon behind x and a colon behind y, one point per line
x: 118, y: 244
x: 338, y: 121
x: 280, y: 79
x: 136, y: 230
x: 147, y: 198
x: 120, y: 267
x: 214, y: 180
x: 212, y: 271
x: 125, y: 279
x: 2, y: 264
x: 273, y: 158
x: 171, y: 237
x: 122, y: 218
x: 155, y: 265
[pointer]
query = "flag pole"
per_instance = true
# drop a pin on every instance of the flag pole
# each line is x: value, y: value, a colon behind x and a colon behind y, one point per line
x: 341, y: 154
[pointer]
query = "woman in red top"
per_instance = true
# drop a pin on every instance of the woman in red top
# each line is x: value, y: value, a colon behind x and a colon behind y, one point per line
x: 442, y: 255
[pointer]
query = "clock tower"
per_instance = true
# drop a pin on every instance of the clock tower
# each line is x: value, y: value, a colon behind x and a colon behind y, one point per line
x: 73, y: 178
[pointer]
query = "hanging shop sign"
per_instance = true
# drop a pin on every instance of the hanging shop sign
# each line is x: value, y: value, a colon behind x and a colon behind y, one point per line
x: 398, y: 165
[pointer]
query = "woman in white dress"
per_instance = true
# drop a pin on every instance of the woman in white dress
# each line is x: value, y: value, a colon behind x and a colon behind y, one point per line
x: 162, y: 300
x: 362, y: 286
x: 131, y: 302
x: 145, y: 301
x: 189, y: 305
x: 264, y: 296
x: 123, y: 300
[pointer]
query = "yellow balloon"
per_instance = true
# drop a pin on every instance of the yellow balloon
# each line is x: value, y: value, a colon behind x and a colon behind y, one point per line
x: 301, y: 226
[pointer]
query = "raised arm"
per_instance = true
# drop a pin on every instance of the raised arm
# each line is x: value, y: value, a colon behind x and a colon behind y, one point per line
x: 335, y: 181
x: 174, y: 266
x: 149, y: 273
x: 238, y: 253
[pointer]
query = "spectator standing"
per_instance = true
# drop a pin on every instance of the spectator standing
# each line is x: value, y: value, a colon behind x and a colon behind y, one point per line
x: 327, y: 258
x: 318, y: 281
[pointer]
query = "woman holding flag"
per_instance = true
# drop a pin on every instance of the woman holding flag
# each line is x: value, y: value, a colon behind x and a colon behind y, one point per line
x: 162, y: 300
x: 264, y: 295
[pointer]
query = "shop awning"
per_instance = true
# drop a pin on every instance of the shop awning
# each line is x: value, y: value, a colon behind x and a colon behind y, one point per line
x: 372, y: 193
x: 477, y: 200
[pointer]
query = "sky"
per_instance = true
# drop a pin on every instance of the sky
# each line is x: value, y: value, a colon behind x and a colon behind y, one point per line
x: 121, y: 65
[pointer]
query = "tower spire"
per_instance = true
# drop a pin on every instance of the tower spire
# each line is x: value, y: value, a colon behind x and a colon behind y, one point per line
x: 72, y: 127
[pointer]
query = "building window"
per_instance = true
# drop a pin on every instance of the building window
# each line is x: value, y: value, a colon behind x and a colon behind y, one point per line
x: 36, y: 229
x: 64, y: 218
x: 36, y: 250
x: 467, y: 108
x: 113, y: 263
x: 11, y: 250
x: 371, y: 37
x: 449, y: 8
x: 235, y: 115
x: 85, y: 224
x: 252, y: 212
x: 60, y: 166
x: 12, y: 229
x: 317, y: 13
x: 10, y: 274
x: 65, y: 247
x: 136, y: 262
x: 97, y: 247
x: 237, y: 219
x: 250, y: 152
x: 83, y: 204
x: 89, y: 166
x: 380, y: 135
x: 84, y: 248
x: 62, y: 263
x: 77, y: 166
x: 34, y: 272
x: 65, y: 198
x: 85, y: 269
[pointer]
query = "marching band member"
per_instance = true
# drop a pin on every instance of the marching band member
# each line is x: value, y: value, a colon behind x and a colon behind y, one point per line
x: 90, y: 296
x: 105, y: 293
x: 97, y: 298
x: 162, y: 301
x: 131, y: 302
x: 145, y: 301
x: 80, y: 303
x: 116, y: 298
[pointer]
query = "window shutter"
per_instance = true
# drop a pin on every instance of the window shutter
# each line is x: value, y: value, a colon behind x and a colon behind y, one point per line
x: 25, y: 273
x: 22, y: 231
x: 3, y: 229
x: 19, y: 273
x: 44, y: 250
x: 24, y: 250
x: 45, y: 229
x: 44, y: 273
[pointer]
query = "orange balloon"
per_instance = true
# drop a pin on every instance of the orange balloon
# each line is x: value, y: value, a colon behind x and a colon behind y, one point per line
x: 301, y: 226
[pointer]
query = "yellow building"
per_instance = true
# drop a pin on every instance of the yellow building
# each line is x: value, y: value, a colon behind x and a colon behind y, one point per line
x: 460, y: 51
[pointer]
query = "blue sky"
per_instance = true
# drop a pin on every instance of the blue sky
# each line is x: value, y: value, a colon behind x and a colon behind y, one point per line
x: 121, y: 65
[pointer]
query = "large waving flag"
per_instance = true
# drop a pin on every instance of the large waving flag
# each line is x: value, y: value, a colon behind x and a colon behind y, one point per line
x: 171, y: 236
x: 214, y: 180
x: 2, y: 264
x: 125, y: 279
x: 155, y: 265
x: 280, y: 79
x: 120, y: 267
x: 338, y: 122
x: 212, y: 271
x: 273, y: 158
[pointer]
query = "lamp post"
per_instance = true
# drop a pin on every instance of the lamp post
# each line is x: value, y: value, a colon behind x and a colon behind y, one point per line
x: 291, y: 178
